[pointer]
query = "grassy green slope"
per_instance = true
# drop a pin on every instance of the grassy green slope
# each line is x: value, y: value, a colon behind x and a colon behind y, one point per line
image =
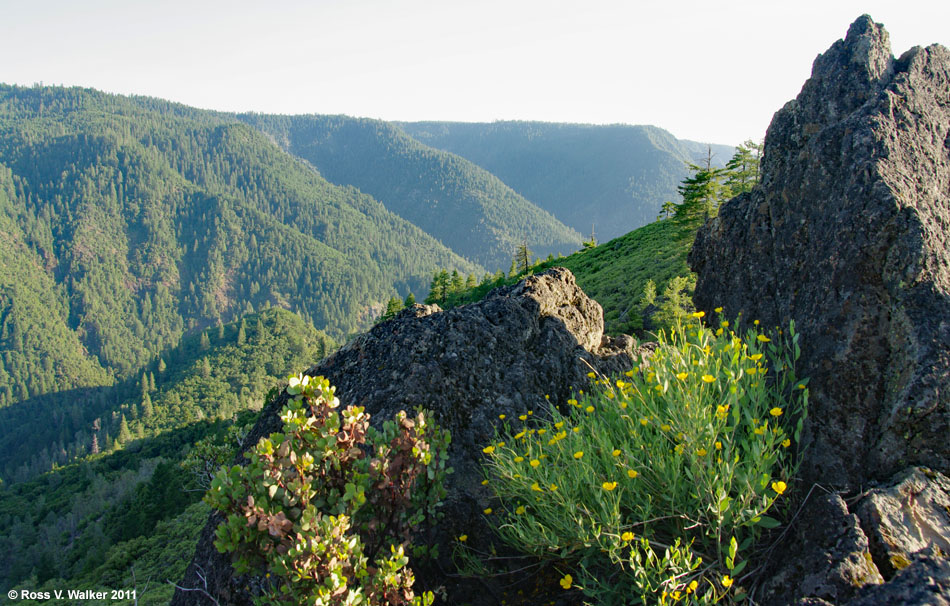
x: 615, y: 177
x: 463, y: 205
x: 614, y: 274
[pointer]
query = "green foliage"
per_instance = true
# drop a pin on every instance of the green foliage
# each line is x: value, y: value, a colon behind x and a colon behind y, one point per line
x: 327, y: 508
x: 742, y: 170
x: 229, y: 377
x: 131, y: 222
x: 455, y: 200
x: 614, y: 274
x: 654, y: 487
x: 615, y: 176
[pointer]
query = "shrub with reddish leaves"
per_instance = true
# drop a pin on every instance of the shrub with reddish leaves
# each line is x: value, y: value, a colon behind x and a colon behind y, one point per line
x: 325, y: 510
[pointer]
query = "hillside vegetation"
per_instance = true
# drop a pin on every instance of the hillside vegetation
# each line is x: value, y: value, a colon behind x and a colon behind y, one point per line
x: 613, y: 178
x: 463, y: 205
x: 129, y: 221
x: 132, y: 508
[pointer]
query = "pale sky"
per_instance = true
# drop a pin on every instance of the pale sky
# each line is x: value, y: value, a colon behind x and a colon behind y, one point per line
x: 707, y: 71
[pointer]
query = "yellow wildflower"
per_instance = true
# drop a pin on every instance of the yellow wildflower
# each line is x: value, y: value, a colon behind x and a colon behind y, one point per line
x: 579, y: 453
x: 501, y: 416
x: 609, y: 485
x: 681, y: 376
x: 776, y: 412
x: 567, y: 581
x: 553, y: 487
x: 755, y: 357
x: 763, y: 339
x: 724, y: 323
x: 519, y: 459
x: 786, y: 443
x: 701, y: 452
x: 718, y: 310
x: 559, y: 424
x: 463, y: 537
x: 629, y: 373
x: 487, y: 511
x: 484, y: 482
x: 718, y: 445
x: 727, y: 580
x: 576, y: 430
x: 643, y: 422
x: 520, y: 434
x: 692, y: 586
x: 591, y: 375
x: 616, y: 452
x: 589, y: 409
x: 488, y: 449
x: 627, y: 536
x: 665, y: 427
x: 698, y: 314
x: 632, y: 473
x: 541, y: 432
x: 709, y: 378
x: 522, y: 417
x: 679, y: 449
x: 534, y: 462
x: 779, y: 487
x: 520, y: 510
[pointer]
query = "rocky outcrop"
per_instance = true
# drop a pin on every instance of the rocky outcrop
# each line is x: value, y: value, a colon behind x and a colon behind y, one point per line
x: 466, y: 365
x: 848, y: 234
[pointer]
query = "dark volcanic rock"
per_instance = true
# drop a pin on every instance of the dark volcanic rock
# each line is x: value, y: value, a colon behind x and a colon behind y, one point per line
x: 848, y: 234
x: 467, y: 365
x: 828, y: 557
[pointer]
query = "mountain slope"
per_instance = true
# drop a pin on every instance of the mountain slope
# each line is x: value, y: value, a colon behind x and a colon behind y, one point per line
x: 615, y: 273
x: 142, y: 219
x: 614, y: 177
x: 461, y: 204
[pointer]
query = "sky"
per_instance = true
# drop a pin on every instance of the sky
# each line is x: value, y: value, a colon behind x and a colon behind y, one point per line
x: 707, y: 71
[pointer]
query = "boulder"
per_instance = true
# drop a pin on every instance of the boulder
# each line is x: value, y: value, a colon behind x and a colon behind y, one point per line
x: 848, y: 234
x: 467, y: 366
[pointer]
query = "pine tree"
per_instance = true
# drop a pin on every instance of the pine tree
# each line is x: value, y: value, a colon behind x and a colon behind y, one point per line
x: 523, y: 257
x: 125, y: 436
x: 742, y: 171
x: 702, y: 192
x: 241, y: 334
x: 392, y: 308
x: 410, y: 300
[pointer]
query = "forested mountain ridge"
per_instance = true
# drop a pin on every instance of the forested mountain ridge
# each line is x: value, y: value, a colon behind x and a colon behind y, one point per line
x: 463, y: 205
x: 129, y: 221
x: 120, y: 510
x: 614, y: 177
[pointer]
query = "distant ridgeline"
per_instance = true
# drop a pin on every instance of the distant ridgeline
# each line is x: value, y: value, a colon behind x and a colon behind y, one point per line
x: 641, y: 279
x: 128, y: 221
x: 614, y: 177
x: 459, y: 203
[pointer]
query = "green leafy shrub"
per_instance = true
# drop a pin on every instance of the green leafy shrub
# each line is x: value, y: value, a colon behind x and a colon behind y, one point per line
x: 326, y: 509
x: 653, y: 486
